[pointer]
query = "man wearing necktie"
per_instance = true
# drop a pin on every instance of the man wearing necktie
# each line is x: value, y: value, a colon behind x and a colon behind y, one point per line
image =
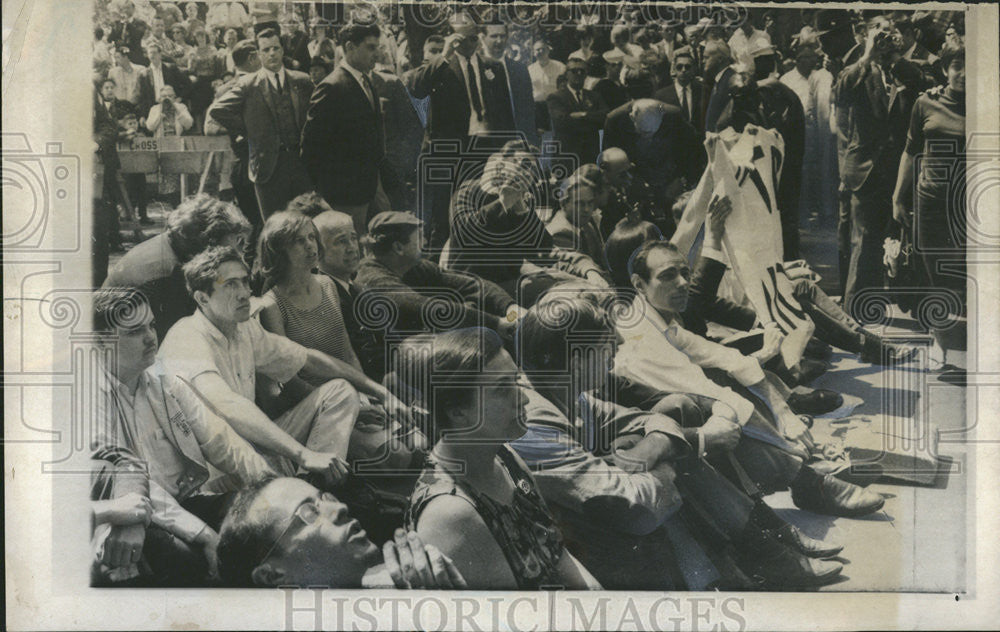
x: 577, y: 115
x: 268, y: 108
x: 686, y: 90
x: 343, y: 141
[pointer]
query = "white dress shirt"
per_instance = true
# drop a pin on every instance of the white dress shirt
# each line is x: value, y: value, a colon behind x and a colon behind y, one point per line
x: 468, y: 65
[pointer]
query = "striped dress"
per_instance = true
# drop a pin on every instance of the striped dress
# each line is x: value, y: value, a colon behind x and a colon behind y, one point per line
x: 321, y: 328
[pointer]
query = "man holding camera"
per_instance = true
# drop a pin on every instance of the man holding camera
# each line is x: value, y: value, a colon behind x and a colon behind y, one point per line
x: 872, y: 155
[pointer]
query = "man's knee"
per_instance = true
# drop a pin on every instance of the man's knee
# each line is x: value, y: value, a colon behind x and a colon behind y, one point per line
x: 340, y: 395
x: 681, y: 408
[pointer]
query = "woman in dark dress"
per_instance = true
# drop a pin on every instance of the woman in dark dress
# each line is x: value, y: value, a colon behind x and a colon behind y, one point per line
x: 476, y: 500
x: 935, y: 208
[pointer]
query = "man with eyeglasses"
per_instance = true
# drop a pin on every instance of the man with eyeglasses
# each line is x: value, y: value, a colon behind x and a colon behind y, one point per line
x: 686, y: 90
x: 577, y: 114
x: 284, y: 532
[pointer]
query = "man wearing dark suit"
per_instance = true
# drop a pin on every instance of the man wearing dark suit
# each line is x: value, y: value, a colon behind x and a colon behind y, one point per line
x: 686, y: 90
x: 448, y: 123
x: 719, y: 77
x: 494, y: 38
x: 129, y: 32
x: 268, y: 107
x: 871, y: 157
x: 577, y: 115
x: 158, y: 74
x: 484, y: 81
x: 343, y: 141
x: 403, y: 126
x: 666, y: 150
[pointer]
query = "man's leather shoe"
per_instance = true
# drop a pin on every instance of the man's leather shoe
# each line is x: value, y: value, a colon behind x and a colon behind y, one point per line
x: 792, y: 537
x: 816, y: 403
x: 861, y: 476
x: 831, y: 496
x: 762, y: 555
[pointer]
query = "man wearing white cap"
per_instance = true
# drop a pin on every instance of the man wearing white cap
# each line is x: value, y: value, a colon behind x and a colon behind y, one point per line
x: 610, y: 88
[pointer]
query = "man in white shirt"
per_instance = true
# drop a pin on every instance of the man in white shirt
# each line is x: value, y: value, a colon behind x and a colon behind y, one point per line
x: 745, y: 39
x: 191, y: 455
x: 220, y: 350
x: 658, y: 351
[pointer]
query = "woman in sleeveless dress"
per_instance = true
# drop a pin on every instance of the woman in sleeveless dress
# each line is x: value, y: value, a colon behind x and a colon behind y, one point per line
x: 476, y: 501
x: 303, y: 306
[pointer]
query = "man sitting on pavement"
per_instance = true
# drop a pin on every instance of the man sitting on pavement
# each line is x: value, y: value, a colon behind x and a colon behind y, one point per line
x: 220, y: 350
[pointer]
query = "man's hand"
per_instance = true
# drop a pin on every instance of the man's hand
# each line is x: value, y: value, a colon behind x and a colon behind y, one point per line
x: 414, y: 565
x: 208, y: 540
x: 771, y: 345
x: 328, y: 464
x: 132, y: 508
x: 792, y: 427
x: 124, y: 545
x: 720, y: 434
x: 515, y: 313
x: 578, y: 115
x: 451, y: 44
x: 396, y: 409
x: 512, y: 199
x: 718, y: 211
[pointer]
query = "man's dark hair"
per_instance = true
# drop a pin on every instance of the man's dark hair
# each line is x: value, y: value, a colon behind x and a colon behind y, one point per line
x: 640, y: 261
x: 434, y: 38
x: 357, y: 32
x: 381, y: 243
x: 118, y: 307
x: 764, y: 65
x: 243, y: 541
x: 623, y: 243
x: 542, y: 338
x: 203, y: 221
x: 269, y: 32
x: 309, y: 204
x: 242, y: 52
x: 638, y: 83
x: 200, y: 273
x: 905, y: 25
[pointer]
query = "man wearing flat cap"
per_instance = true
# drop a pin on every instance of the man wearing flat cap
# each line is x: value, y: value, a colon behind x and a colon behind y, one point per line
x: 397, y: 272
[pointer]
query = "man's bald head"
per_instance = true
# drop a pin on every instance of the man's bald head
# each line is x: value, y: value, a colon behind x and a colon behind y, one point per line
x: 341, y: 251
x: 615, y: 165
x: 716, y: 57
x: 647, y: 114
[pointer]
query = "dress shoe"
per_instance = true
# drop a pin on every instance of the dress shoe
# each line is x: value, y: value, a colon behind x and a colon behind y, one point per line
x: 831, y: 496
x: 763, y: 516
x: 816, y: 403
x: 761, y: 555
x: 875, y: 350
x: 811, y: 547
x: 955, y: 377
x: 862, y: 476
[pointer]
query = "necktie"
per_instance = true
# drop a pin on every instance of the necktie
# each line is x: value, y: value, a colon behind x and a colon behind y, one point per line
x: 687, y: 103
x: 277, y: 83
x: 477, y: 104
x: 371, y: 92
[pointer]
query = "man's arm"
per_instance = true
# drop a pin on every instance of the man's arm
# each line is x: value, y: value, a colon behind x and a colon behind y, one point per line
x: 227, y: 110
x: 246, y: 419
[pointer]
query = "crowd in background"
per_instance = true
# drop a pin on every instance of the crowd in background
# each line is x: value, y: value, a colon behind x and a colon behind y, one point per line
x: 429, y: 207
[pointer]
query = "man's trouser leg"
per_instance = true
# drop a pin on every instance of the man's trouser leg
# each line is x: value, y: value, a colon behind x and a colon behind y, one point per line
x: 870, y: 212
x: 844, y: 238
x: 833, y: 325
x: 322, y: 422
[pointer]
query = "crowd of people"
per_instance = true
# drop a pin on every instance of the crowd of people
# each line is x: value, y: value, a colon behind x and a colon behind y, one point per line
x: 437, y: 334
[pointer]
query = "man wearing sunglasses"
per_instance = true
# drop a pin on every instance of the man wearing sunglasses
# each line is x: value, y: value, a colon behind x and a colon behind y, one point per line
x: 285, y: 532
x: 577, y: 114
x: 686, y: 90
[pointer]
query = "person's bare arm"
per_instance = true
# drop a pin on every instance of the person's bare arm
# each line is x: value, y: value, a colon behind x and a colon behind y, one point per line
x: 322, y: 365
x: 452, y: 525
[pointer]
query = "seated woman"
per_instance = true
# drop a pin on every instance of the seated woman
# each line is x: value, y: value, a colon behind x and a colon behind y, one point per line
x: 476, y: 500
x: 305, y: 307
x: 284, y: 532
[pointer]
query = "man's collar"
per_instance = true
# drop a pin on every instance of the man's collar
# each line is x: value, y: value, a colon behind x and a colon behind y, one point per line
x: 651, y: 313
x: 721, y: 72
x: 207, y: 325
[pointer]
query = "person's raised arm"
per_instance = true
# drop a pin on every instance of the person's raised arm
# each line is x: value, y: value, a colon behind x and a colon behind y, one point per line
x: 227, y: 110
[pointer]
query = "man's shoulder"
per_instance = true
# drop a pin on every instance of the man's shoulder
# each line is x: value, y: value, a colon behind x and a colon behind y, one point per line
x: 619, y: 114
x: 298, y: 76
